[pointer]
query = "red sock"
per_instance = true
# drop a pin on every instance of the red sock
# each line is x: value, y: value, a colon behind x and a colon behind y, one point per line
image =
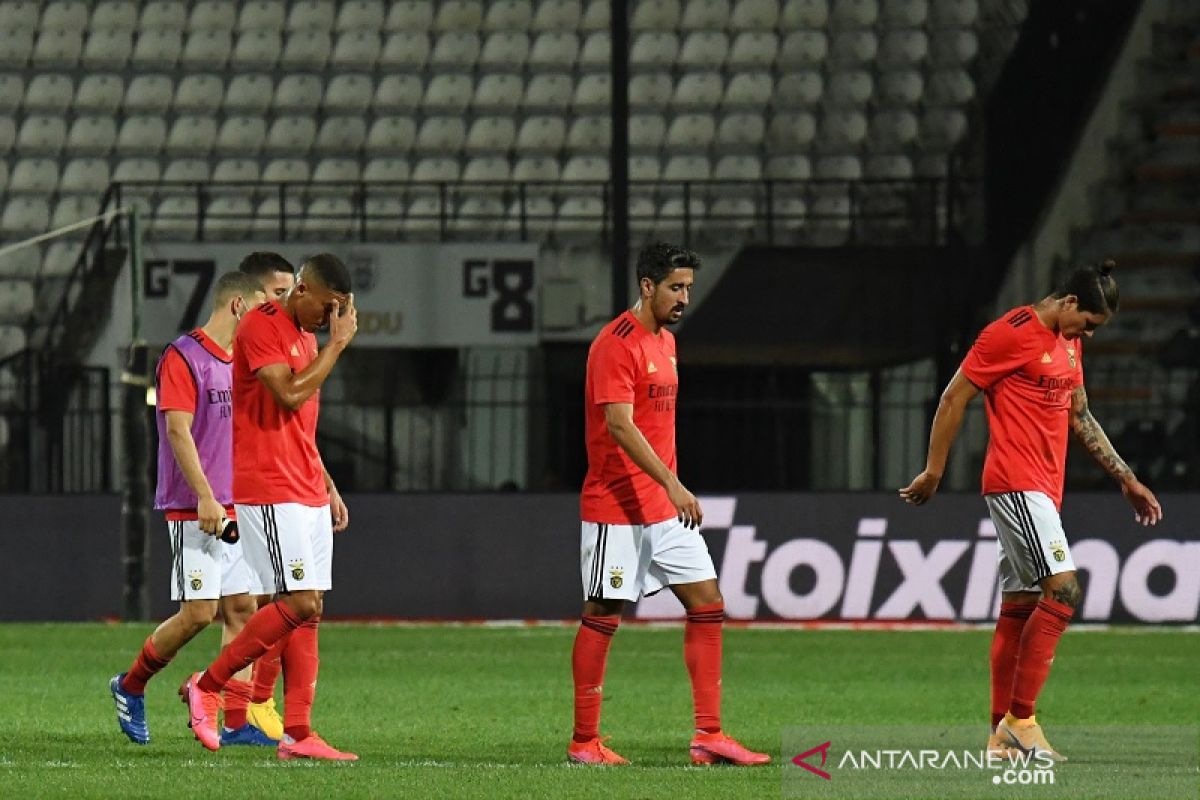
x: 144, y: 666
x: 300, y: 662
x: 1006, y: 641
x: 266, y: 672
x: 237, y: 697
x: 702, y: 654
x: 1046, y: 624
x: 268, y: 625
x: 588, y: 660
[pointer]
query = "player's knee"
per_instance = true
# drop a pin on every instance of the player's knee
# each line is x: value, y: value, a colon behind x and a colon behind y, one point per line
x: 305, y: 605
x: 1067, y: 592
x: 197, y: 614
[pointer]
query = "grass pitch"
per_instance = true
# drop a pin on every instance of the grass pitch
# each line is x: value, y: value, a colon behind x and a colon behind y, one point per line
x: 454, y: 711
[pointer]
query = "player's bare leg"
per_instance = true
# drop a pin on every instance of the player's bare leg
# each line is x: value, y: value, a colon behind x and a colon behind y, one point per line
x: 262, y: 712
x: 702, y: 653
x: 589, y: 657
x: 1060, y: 595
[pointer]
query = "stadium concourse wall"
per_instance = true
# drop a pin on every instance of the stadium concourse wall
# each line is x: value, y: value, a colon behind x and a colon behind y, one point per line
x: 505, y: 556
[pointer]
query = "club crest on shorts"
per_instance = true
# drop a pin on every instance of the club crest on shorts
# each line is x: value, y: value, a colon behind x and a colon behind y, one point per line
x: 197, y: 580
x: 1056, y: 550
x: 616, y: 577
x: 297, y: 569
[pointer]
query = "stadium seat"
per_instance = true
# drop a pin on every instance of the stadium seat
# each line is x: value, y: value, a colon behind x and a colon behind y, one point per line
x: 186, y: 170
x: 738, y: 168
x: 753, y: 49
x: 409, y: 15
x: 436, y: 169
x: 387, y: 170
x: 541, y: 135
x: 98, y: 92
x: 585, y: 168
x: 740, y: 133
x: 74, y: 208
x: 508, y: 15
x: 440, y: 135
x: 262, y: 15
x: 696, y: 90
x: 241, y: 135
x: 596, y: 17
x: 455, y: 49
x: 903, y: 13
x: 298, y: 92
x: 23, y: 262
x: 268, y: 221
x: 405, y: 50
x: 49, y: 93
x: 191, y: 135
x: 348, y: 94
x: 141, y: 135
x: 328, y: 217
x: 594, y: 91
x: 942, y: 128
x: 687, y: 168
x: 704, y: 50
x: 156, y: 48
x: 307, y: 15
x: 903, y: 48
x: 398, y: 93
x: 57, y: 49
x: 691, y: 133
x: 650, y: 90
x: 34, y: 176
x: 356, y: 50
x: 20, y: 15
x: 152, y: 94
x: 506, y: 50
x: 340, y: 135
x: 286, y: 170
x: 137, y: 169
x: 892, y: 131
x: 391, y: 135
x: 249, y: 93
x: 900, y: 87
x: 647, y: 132
x: 177, y: 215
x: 853, y: 48
x: 92, y: 135
x: 853, y: 13
x: 306, y: 49
x: 207, y: 49
x: 953, y: 47
x: 448, y: 93
x: 121, y: 15
x: 342, y: 171
x: 12, y: 92
x: 844, y: 167
x: 536, y: 168
x: 490, y: 135
x: 65, y: 15
x: 16, y: 303
x: 458, y: 15
x: 218, y: 15
x: 537, y: 215
x: 800, y: 88
x: 589, y: 135
x: 851, y: 88
x: 384, y: 212
x: 25, y: 215
x: 842, y: 130
x: 549, y: 91
x: 949, y: 87
x: 554, y: 50
x: 654, y: 49
x: 107, y: 48
x: 702, y: 15
x: 41, y: 134
x: 229, y: 217
x: 256, y: 49
x: 164, y: 15
x: 478, y: 216
x: 953, y: 13
x: 596, y: 53
x: 15, y: 46
x: 645, y: 168
x: 892, y: 167
x: 749, y: 90
x: 557, y: 15
x: 791, y: 133
x: 360, y: 15
x: 487, y: 169
x: 655, y: 15
x: 195, y: 94
x: 498, y: 92
x: 754, y: 15
x: 804, y: 48
x: 8, y: 134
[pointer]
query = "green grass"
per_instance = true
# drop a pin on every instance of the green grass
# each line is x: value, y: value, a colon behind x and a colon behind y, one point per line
x: 486, y: 712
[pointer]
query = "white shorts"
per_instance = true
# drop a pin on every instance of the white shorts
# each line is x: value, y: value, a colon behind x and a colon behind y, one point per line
x: 1033, y: 545
x: 202, y: 566
x: 288, y: 546
x: 628, y: 562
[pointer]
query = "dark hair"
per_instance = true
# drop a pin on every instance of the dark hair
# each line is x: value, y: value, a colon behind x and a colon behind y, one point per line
x: 656, y: 261
x: 1095, y: 287
x: 330, y: 271
x: 235, y: 284
x: 263, y: 264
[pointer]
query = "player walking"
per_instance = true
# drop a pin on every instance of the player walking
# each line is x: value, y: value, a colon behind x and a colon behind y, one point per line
x: 639, y: 531
x: 1029, y: 365
x: 288, y: 507
x: 194, y: 379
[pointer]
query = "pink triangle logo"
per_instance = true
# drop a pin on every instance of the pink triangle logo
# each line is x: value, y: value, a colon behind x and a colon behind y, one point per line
x: 800, y: 761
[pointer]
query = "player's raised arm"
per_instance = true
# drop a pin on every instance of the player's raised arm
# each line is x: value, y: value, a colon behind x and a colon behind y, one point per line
x: 293, y: 389
x: 179, y: 434
x: 946, y: 422
x: 619, y: 419
x: 1146, y: 508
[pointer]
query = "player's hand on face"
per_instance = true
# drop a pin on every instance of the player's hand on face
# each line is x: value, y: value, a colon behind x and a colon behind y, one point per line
x: 343, y: 321
x: 687, y: 507
x: 338, y: 511
x: 211, y: 515
x: 1146, y: 508
x: 921, y: 489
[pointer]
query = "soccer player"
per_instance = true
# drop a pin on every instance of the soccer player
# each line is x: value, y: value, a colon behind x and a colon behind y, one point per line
x: 272, y: 270
x: 639, y: 531
x: 194, y: 380
x: 1029, y: 365
x: 288, y: 507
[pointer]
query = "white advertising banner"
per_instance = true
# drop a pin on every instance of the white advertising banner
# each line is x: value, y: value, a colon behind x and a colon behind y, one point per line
x: 408, y: 295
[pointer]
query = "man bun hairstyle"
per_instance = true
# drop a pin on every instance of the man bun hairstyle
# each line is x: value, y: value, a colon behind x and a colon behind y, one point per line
x: 1095, y: 287
x: 235, y: 284
x: 657, y: 260
x: 263, y: 264
x: 330, y: 271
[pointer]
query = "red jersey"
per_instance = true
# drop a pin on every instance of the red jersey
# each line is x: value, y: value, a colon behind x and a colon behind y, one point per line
x: 628, y: 364
x: 177, y: 392
x: 1027, y: 373
x: 277, y: 459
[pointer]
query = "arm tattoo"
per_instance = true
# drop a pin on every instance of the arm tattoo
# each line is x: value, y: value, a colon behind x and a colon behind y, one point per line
x: 1089, y: 432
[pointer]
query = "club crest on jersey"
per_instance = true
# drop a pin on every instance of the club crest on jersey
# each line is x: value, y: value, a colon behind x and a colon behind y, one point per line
x: 1071, y: 356
x: 650, y: 368
x: 197, y: 580
x: 297, y: 569
x: 616, y: 577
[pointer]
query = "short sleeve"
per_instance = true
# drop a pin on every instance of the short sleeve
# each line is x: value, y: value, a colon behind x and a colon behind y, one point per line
x: 614, y: 372
x: 260, y: 342
x: 997, y: 353
x: 176, y: 385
